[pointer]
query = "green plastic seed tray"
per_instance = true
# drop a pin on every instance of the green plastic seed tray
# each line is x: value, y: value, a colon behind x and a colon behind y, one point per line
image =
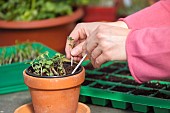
x: 11, y: 75
x: 113, y: 85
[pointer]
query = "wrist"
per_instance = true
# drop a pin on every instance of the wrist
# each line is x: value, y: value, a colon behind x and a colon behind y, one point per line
x: 119, y: 24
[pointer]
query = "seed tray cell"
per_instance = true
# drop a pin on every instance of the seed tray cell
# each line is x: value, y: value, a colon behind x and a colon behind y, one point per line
x: 87, y: 82
x: 11, y: 75
x: 108, y: 70
x: 162, y: 95
x: 131, y: 82
x: 101, y: 86
x: 101, y: 76
x: 115, y: 79
x: 118, y: 90
x: 122, y: 89
x: 87, y: 65
x: 143, y: 92
x: 124, y: 72
x: 155, y: 85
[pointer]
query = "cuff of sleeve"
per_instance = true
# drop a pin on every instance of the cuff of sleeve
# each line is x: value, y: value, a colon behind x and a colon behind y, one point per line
x: 126, y: 21
x: 130, y: 58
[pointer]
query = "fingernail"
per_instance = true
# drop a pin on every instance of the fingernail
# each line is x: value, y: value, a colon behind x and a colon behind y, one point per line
x: 73, y: 52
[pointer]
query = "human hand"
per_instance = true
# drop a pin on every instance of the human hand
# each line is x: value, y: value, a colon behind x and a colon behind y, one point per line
x: 80, y: 33
x: 106, y: 43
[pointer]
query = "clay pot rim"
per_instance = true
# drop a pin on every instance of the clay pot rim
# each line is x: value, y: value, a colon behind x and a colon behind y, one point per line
x: 62, y: 83
x: 77, y: 14
x: 37, y: 76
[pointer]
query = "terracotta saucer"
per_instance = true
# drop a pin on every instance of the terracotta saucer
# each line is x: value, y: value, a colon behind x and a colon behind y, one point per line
x: 28, y: 108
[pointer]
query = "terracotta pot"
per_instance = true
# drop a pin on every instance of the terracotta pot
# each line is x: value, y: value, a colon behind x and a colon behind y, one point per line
x: 55, y: 95
x: 51, y: 32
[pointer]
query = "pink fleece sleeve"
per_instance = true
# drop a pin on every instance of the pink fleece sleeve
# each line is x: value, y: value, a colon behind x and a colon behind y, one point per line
x: 148, y: 53
x: 157, y: 15
x: 148, y: 44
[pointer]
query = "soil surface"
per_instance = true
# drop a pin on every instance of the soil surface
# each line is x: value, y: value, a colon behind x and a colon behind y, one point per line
x: 168, y: 88
x: 118, y: 65
x: 162, y: 95
x: 69, y: 68
x: 96, y: 76
x: 155, y: 85
x: 131, y: 82
x: 107, y: 70
x: 125, y: 72
x: 89, y: 67
x: 122, y: 89
x: 143, y: 92
x: 101, y: 86
x: 116, y: 79
x: 87, y: 82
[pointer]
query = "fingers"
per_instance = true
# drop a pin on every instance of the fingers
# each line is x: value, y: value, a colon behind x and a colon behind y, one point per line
x: 76, y: 52
x: 91, y: 48
x: 96, y: 52
x: 99, y: 61
x: 77, y: 35
x: 68, y: 50
x: 90, y: 44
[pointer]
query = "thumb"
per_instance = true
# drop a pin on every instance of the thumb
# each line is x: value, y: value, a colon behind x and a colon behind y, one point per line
x: 77, y: 50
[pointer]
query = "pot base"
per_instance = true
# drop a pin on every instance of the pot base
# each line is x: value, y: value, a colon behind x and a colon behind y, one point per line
x: 28, y: 108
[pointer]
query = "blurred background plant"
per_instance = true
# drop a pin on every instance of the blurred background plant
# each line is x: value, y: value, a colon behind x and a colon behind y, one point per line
x: 27, y: 10
x: 21, y: 52
x: 102, y: 3
x: 127, y: 7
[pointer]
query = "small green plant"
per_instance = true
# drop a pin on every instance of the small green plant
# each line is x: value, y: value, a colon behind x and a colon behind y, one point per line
x: 20, y: 53
x: 28, y: 10
x: 71, y: 44
x: 44, y: 65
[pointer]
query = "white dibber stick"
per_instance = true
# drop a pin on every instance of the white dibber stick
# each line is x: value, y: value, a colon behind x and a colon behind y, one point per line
x: 72, y: 61
x: 79, y: 64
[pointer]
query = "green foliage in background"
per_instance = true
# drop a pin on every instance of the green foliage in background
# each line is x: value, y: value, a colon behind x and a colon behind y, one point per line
x: 20, y: 53
x: 136, y: 6
x: 27, y: 10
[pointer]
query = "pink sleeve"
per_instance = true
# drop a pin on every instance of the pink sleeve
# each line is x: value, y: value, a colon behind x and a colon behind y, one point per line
x: 148, y: 46
x: 157, y: 15
x: 148, y: 53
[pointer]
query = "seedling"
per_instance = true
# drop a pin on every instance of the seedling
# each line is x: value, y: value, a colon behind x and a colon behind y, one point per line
x: 21, y: 52
x: 71, y: 44
x: 44, y: 65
